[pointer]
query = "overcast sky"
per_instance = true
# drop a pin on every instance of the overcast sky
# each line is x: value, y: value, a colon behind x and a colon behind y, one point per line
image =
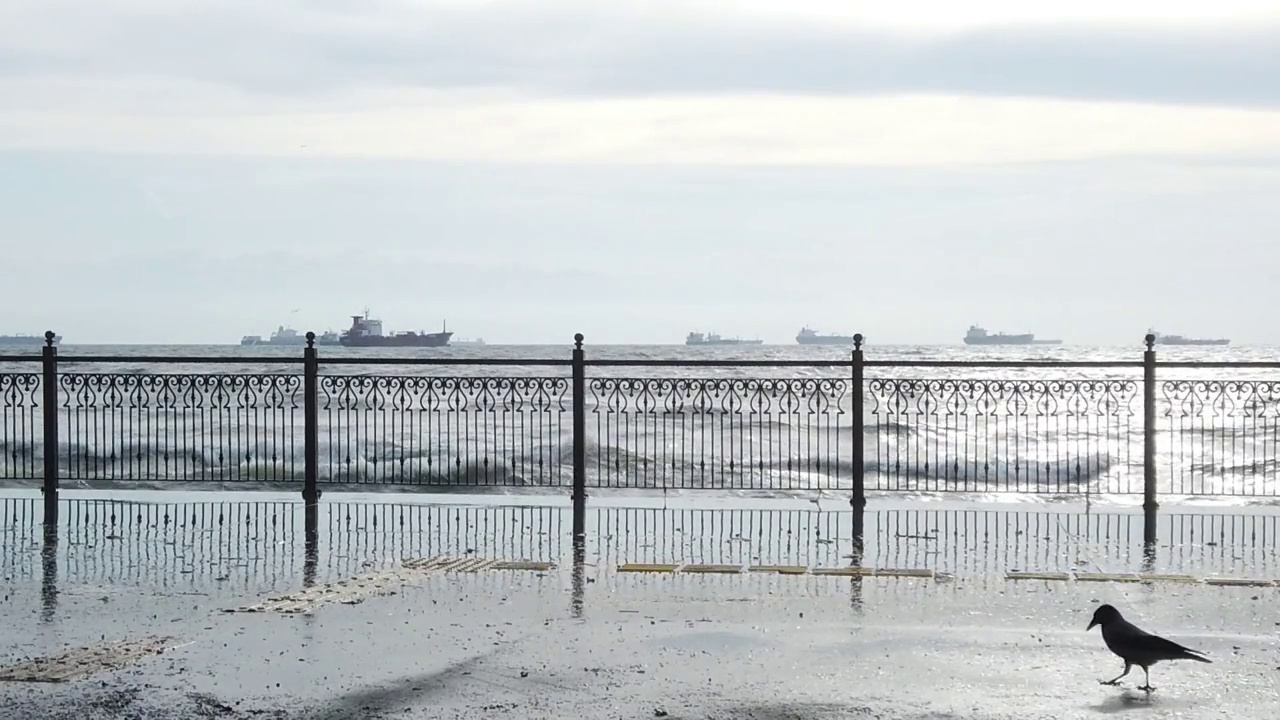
x: 176, y: 171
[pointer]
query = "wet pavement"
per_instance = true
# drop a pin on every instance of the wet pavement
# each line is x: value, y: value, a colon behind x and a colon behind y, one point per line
x: 371, y: 628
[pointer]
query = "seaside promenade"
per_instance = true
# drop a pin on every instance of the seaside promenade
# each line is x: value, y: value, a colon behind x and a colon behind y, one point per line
x: 633, y: 537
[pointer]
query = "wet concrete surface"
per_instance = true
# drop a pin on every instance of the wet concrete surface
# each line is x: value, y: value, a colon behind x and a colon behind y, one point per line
x: 516, y: 644
x: 584, y: 640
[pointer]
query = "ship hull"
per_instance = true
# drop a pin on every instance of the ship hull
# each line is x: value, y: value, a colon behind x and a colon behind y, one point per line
x: 1193, y: 342
x: 440, y: 339
x: 291, y: 342
x: 26, y: 340
x: 1009, y: 340
x: 727, y: 342
x: 826, y: 340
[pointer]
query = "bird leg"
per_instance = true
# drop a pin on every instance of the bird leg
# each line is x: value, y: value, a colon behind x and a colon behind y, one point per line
x: 1147, y: 687
x: 1116, y: 679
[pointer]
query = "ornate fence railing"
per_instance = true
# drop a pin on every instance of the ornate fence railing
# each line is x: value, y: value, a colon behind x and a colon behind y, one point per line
x: 1031, y: 427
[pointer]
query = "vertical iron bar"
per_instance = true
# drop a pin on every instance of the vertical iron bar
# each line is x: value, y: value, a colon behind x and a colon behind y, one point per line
x: 1149, y: 503
x: 310, y: 436
x: 579, y: 440
x: 49, y: 388
x: 859, y: 499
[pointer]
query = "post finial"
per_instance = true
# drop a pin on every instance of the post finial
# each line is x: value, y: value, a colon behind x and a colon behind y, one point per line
x: 577, y: 341
x: 48, y: 338
x: 857, y: 341
x: 1151, y: 341
x: 311, y: 339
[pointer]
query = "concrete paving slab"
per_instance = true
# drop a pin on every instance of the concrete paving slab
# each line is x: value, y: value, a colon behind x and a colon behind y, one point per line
x: 522, y: 645
x: 479, y: 613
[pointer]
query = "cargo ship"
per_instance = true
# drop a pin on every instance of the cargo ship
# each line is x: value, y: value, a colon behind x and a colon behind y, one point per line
x: 367, y: 332
x: 808, y: 336
x: 697, y: 338
x: 22, y: 340
x: 289, y: 336
x: 979, y: 336
x: 1183, y: 340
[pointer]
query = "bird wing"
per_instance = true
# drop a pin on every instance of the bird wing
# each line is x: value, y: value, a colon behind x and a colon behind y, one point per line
x: 1156, y: 646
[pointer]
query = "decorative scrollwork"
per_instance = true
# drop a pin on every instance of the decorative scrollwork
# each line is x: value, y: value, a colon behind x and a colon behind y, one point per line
x: 1206, y: 399
x: 443, y: 394
x: 1002, y: 398
x: 718, y: 396
x: 19, y: 391
x: 20, y: 425
x: 111, y: 391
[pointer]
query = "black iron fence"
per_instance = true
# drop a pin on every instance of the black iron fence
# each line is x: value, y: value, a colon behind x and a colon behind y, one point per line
x: 1041, y: 427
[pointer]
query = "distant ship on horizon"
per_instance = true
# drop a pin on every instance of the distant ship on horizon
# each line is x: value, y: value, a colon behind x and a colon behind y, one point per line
x: 289, y: 336
x: 697, y: 338
x: 367, y: 332
x: 22, y: 339
x: 808, y: 336
x: 1183, y: 340
x: 979, y: 336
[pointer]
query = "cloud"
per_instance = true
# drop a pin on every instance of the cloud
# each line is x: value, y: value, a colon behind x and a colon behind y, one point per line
x: 291, y: 50
x: 732, y: 130
x: 696, y: 82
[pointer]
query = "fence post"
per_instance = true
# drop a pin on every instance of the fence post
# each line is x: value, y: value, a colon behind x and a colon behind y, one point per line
x: 310, y: 436
x: 579, y: 441
x: 1149, y: 503
x: 859, y: 499
x: 49, y: 389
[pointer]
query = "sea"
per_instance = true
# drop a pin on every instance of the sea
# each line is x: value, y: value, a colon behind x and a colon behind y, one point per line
x: 791, y: 435
x: 332, y: 356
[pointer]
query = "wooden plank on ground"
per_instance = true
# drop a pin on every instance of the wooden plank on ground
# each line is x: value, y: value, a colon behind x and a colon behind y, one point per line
x: 1170, y: 578
x: 648, y: 567
x: 712, y: 569
x: 904, y: 572
x: 1240, y: 582
x: 1035, y: 575
x: 846, y: 571
x: 523, y: 565
x: 780, y: 569
x: 83, y: 661
x: 1107, y: 577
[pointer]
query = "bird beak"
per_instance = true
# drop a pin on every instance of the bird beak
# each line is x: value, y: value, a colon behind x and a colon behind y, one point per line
x: 1091, y: 624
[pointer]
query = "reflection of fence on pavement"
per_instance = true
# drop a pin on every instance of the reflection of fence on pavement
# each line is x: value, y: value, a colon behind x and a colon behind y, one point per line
x: 238, y: 547
x: 359, y: 536
x: 259, y: 546
x: 975, y: 542
x: 966, y: 542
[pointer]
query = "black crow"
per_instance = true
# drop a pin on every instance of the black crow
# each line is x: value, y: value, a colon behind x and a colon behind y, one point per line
x: 1136, y: 646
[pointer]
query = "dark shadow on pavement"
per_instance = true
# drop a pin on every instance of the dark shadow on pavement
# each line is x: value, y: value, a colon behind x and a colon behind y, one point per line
x: 391, y: 697
x: 1131, y: 700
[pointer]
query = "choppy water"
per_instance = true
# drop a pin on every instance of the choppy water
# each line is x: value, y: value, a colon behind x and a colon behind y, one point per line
x: 1033, y: 430
x: 331, y: 357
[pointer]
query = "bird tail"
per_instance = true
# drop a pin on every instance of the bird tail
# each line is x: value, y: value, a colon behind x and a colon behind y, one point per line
x: 1190, y: 654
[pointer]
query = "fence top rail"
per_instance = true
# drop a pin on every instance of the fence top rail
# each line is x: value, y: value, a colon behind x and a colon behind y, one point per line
x: 690, y: 363
x: 1207, y: 364
x: 1006, y: 363
x: 719, y: 363
x: 517, y: 362
x: 178, y: 359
